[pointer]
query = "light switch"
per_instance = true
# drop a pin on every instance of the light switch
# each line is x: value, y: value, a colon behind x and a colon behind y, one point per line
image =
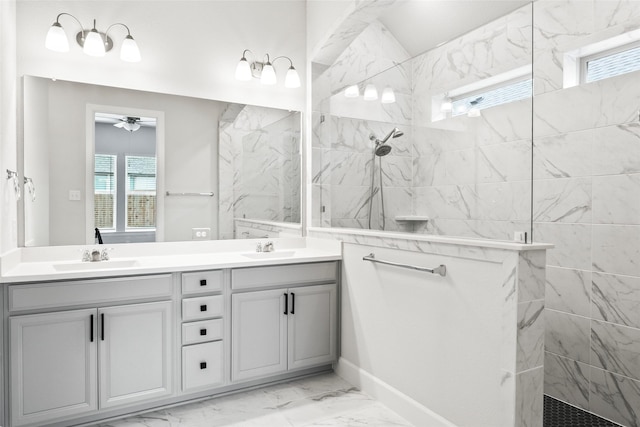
x: 75, y: 195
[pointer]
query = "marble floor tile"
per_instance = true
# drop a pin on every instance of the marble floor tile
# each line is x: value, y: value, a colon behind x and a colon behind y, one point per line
x: 321, y: 400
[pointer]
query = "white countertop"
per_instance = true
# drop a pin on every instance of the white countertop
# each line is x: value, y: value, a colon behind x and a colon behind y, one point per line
x: 64, y: 262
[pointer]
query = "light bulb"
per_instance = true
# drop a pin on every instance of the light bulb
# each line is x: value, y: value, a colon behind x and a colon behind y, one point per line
x: 473, y: 112
x: 57, y: 39
x: 388, y: 97
x: 268, y: 75
x: 370, y: 93
x: 446, y: 106
x: 292, y: 80
x: 129, y: 51
x: 352, y: 91
x: 243, y: 70
x: 93, y: 44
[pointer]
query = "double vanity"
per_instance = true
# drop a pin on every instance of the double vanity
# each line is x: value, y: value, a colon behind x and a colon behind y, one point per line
x: 162, y: 323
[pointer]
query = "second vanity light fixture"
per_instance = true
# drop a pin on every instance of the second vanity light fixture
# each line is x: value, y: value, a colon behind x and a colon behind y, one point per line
x: 265, y: 71
x: 371, y: 93
x: 93, y: 42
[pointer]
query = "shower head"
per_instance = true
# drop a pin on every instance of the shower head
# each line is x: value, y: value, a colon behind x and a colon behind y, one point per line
x: 395, y: 133
x: 382, y: 149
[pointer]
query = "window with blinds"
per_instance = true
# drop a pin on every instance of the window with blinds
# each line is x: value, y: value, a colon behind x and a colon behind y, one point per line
x: 611, y: 63
x: 105, y: 191
x: 141, y: 192
x: 491, y: 97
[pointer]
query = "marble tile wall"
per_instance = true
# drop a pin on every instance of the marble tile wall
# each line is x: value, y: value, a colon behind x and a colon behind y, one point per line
x: 586, y: 167
x: 259, y: 167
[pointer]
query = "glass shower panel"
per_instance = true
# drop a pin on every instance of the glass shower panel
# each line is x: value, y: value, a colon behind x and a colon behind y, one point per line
x: 464, y: 173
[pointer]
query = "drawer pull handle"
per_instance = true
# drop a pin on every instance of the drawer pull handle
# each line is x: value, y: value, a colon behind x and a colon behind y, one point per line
x: 203, y: 307
x: 203, y: 332
x: 101, y: 326
x: 203, y: 365
x: 203, y: 282
x: 91, y: 327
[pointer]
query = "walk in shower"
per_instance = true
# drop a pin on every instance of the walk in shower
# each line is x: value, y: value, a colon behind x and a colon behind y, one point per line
x: 524, y: 122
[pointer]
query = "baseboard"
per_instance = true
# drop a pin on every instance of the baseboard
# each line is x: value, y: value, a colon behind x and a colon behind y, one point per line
x: 393, y: 398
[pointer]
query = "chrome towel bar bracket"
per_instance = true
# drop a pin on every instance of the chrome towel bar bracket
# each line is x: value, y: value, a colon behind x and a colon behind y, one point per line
x: 441, y: 269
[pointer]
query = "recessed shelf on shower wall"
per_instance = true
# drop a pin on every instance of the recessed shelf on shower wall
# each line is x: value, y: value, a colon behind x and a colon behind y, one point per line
x: 415, y: 218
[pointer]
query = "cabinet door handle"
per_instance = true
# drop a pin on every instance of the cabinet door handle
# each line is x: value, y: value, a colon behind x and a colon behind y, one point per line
x: 101, y: 326
x: 91, y: 327
x: 203, y: 282
x: 203, y: 365
x: 293, y: 303
x: 286, y: 303
x: 203, y: 331
x: 203, y: 307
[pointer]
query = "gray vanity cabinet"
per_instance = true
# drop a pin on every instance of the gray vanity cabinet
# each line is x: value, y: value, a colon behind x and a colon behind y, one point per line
x: 284, y: 328
x: 72, y: 362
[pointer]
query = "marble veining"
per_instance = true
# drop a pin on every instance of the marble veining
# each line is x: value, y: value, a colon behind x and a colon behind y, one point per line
x: 323, y: 400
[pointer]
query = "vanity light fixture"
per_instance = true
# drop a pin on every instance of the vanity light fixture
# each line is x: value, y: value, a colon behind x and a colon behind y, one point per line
x: 93, y: 42
x: 265, y: 71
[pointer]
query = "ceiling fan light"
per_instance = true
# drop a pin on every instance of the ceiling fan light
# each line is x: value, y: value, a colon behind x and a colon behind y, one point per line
x: 57, y: 39
x: 129, y: 51
x: 93, y: 44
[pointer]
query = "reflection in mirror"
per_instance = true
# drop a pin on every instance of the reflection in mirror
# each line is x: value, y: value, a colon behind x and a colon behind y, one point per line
x: 124, y: 190
x: 465, y: 172
x: 222, y: 170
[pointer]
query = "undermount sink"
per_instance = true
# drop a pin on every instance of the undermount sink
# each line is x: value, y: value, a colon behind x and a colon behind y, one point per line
x: 98, y: 265
x: 274, y: 254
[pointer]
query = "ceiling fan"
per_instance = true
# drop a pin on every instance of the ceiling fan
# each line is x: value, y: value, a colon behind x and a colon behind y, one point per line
x: 131, y: 124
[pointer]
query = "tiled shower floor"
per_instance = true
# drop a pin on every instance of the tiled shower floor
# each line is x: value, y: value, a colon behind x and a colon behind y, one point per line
x: 559, y: 414
x: 322, y: 400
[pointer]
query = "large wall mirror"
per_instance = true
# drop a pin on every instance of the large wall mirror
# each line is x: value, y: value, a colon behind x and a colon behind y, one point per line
x: 142, y: 166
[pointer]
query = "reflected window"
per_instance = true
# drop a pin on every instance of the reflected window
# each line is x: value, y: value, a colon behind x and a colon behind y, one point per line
x: 141, y: 192
x: 105, y: 191
x: 492, y: 97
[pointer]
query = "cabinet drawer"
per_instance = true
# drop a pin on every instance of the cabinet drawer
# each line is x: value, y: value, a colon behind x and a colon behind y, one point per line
x: 202, y: 307
x: 201, y: 282
x: 283, y: 275
x: 202, y: 365
x: 95, y: 291
x: 206, y: 330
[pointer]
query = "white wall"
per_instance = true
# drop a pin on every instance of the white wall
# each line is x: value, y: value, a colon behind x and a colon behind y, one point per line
x: 188, y: 47
x: 8, y: 130
x: 36, y: 212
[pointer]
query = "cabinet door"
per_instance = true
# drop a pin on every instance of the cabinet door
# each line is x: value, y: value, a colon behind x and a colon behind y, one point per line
x: 135, y: 352
x: 52, y: 366
x: 312, y: 325
x: 259, y: 334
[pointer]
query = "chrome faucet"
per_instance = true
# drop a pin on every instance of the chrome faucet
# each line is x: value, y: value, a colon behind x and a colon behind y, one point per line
x: 268, y: 247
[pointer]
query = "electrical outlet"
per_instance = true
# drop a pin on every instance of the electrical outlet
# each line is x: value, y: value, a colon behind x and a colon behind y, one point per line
x: 75, y: 195
x: 200, y: 233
